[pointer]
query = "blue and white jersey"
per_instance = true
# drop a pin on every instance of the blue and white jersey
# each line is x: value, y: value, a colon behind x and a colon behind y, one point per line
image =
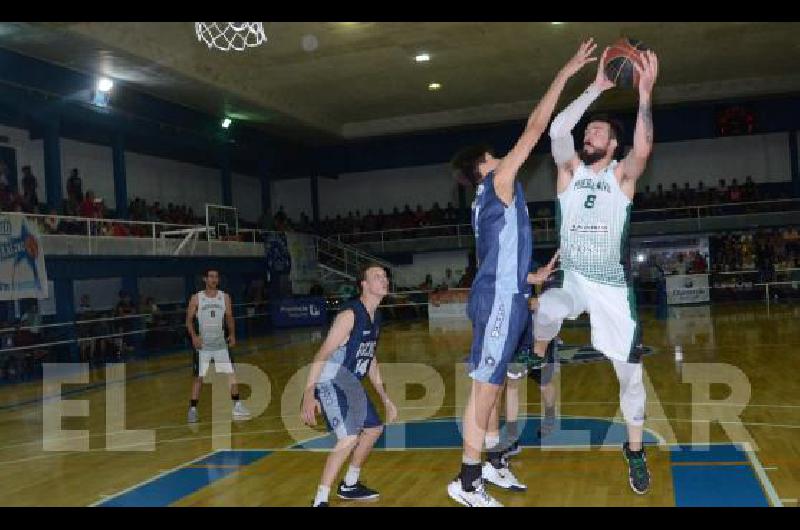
x: 355, y: 356
x: 503, y: 240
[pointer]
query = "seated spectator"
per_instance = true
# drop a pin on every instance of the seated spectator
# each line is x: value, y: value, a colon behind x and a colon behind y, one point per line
x: 91, y: 206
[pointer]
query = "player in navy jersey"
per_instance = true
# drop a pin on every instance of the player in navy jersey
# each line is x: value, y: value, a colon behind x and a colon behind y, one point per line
x: 498, y: 301
x: 334, y: 388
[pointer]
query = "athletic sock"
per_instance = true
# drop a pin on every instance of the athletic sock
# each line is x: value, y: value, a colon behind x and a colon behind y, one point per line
x: 351, y: 477
x: 322, y: 495
x: 193, y: 403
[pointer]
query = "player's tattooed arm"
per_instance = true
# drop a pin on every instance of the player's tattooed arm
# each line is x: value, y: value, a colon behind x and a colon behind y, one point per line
x: 634, y: 164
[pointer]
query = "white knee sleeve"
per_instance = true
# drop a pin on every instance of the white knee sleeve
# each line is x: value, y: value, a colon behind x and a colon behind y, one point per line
x: 554, y: 306
x: 632, y: 396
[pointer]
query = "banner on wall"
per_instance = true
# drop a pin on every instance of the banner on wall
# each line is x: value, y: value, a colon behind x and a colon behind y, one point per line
x: 305, y: 311
x: 276, y: 252
x: 304, y: 271
x: 687, y: 289
x: 22, y: 269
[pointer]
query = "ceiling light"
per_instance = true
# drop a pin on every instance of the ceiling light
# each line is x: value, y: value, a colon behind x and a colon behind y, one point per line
x: 105, y: 84
x: 422, y: 57
x: 226, y: 123
x: 434, y: 86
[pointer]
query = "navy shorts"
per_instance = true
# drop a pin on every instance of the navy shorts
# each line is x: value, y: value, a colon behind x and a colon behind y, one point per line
x: 498, y: 323
x: 346, y: 407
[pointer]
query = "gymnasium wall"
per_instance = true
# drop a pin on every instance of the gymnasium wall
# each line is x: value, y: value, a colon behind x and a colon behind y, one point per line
x: 151, y: 178
x: 764, y: 157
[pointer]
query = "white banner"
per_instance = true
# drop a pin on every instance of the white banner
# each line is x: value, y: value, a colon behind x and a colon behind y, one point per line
x: 22, y: 270
x: 687, y: 289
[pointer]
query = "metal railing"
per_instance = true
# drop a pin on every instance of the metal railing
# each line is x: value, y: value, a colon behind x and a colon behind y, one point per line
x: 544, y: 227
x: 66, y: 234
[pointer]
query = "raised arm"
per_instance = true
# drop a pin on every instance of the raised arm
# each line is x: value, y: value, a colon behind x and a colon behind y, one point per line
x: 562, y: 145
x: 537, y: 123
x: 633, y: 165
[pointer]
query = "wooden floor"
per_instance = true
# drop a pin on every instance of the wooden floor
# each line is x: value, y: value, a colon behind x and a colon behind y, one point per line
x: 763, y: 343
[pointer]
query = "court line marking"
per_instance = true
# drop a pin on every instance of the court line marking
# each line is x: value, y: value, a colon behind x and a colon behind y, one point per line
x: 148, y: 481
x: 762, y: 475
x: 285, y: 430
x: 89, y: 387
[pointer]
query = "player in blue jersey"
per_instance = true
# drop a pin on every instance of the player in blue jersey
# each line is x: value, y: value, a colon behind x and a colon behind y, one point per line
x: 498, y: 301
x: 334, y: 388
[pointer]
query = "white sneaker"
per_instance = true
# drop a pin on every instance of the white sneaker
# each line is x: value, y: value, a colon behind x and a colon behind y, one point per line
x: 239, y: 412
x: 502, y: 477
x: 472, y: 499
x: 192, y: 418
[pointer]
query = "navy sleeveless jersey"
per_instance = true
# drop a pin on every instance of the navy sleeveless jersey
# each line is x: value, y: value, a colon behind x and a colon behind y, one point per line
x: 355, y: 356
x: 503, y: 240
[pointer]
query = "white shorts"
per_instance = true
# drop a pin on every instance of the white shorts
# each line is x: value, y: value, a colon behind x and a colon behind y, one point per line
x: 221, y: 358
x: 611, y: 308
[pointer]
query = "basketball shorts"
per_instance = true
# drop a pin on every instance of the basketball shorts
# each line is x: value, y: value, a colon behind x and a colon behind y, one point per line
x: 346, y: 407
x: 518, y: 367
x: 498, y: 323
x: 202, y: 359
x: 612, y: 314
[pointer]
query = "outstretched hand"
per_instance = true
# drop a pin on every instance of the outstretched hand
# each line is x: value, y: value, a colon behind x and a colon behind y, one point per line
x: 542, y: 273
x: 601, y: 81
x: 582, y: 57
x: 647, y: 72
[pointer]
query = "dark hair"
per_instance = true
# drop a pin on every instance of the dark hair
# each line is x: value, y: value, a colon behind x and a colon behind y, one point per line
x: 465, y: 163
x: 617, y: 131
x: 208, y: 270
x: 362, y: 273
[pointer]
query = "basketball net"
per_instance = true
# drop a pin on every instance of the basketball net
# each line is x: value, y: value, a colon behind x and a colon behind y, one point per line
x: 226, y: 36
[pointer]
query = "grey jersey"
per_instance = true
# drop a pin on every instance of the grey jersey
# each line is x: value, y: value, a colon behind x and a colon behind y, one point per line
x: 211, y: 319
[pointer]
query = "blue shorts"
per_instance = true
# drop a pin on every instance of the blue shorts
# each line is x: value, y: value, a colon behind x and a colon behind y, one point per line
x: 346, y: 407
x: 498, y: 324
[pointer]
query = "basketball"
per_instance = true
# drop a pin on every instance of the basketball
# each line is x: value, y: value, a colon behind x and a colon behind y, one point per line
x: 619, y: 62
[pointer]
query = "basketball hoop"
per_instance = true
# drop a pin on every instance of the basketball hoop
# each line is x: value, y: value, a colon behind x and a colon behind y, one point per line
x: 226, y: 36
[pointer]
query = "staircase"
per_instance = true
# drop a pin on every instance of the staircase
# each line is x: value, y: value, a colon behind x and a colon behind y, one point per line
x: 339, y: 262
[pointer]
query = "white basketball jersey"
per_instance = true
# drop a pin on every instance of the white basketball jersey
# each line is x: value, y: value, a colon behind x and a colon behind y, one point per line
x: 594, y: 216
x: 210, y: 318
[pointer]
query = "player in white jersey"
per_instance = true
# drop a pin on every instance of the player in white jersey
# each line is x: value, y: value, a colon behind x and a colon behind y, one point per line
x: 595, y: 196
x: 213, y: 308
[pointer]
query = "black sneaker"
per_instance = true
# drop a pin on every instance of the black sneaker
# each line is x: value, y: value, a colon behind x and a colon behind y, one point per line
x: 357, y: 492
x: 638, y: 475
x: 321, y: 505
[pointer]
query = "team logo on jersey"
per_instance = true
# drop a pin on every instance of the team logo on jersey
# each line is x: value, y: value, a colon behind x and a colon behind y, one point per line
x: 490, y: 361
x: 591, y: 184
